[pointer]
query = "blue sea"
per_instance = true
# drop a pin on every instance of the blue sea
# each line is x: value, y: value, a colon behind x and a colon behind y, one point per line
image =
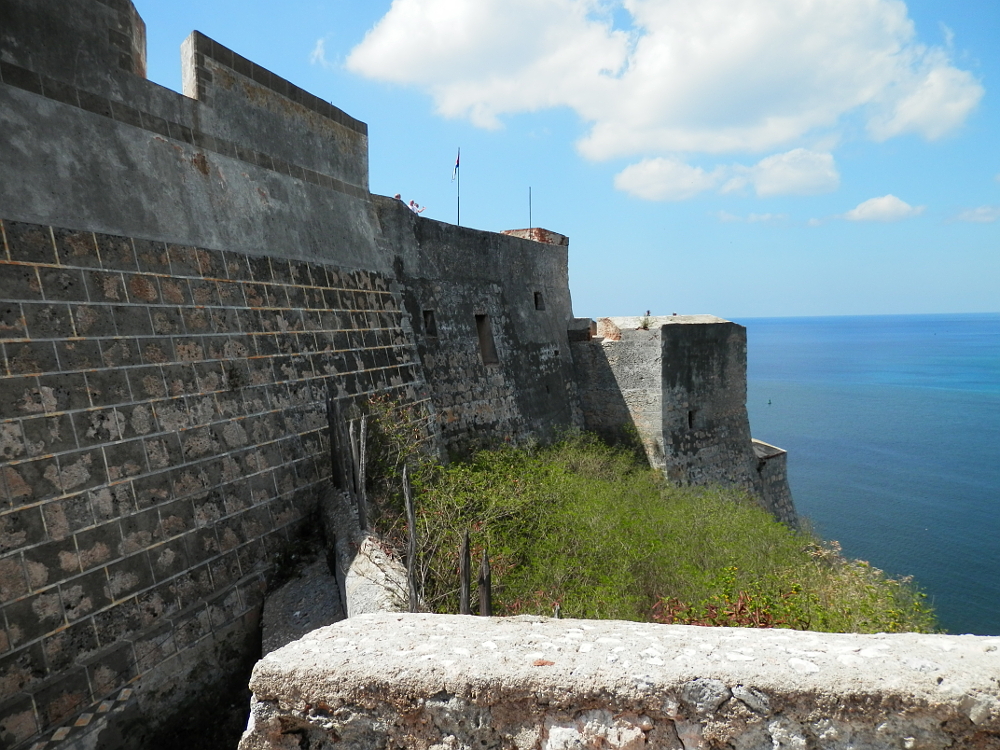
x: 892, y: 427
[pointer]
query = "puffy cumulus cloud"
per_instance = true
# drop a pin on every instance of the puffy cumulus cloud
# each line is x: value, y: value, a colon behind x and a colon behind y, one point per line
x: 981, y: 215
x: 710, y: 77
x: 483, y: 58
x: 666, y: 179
x: 795, y: 172
x: 939, y: 100
x: 886, y: 208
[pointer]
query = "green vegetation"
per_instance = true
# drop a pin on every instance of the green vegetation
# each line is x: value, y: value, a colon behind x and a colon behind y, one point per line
x: 590, y: 528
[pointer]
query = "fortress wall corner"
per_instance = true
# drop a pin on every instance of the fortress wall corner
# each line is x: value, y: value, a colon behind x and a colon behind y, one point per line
x: 680, y: 383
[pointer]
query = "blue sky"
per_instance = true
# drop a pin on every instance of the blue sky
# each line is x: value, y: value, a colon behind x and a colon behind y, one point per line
x: 734, y: 157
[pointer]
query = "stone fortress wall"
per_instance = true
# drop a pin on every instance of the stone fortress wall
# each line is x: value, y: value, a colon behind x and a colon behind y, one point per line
x: 183, y: 279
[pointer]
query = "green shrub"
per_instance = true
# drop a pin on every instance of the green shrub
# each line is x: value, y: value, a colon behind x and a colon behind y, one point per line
x: 591, y: 529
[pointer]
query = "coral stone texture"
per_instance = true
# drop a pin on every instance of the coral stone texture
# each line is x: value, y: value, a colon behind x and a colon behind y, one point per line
x: 445, y: 681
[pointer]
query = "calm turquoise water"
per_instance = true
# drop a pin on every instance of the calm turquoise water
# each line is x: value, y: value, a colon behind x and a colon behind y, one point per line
x: 892, y: 425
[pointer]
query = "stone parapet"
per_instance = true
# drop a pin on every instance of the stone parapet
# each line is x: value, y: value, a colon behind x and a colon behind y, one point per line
x: 772, y: 467
x: 446, y: 681
x: 537, y: 234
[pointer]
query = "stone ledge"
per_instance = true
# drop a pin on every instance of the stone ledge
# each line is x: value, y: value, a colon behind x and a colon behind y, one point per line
x: 444, y: 681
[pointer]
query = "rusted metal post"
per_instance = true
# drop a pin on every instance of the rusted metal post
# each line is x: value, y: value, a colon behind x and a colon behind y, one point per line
x: 362, y: 488
x: 411, y: 541
x: 485, y: 587
x: 352, y: 442
x: 357, y: 438
x: 464, y: 578
x: 337, y: 473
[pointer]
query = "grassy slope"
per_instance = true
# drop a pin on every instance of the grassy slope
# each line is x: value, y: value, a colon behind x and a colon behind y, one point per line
x: 592, y: 529
x: 595, y: 530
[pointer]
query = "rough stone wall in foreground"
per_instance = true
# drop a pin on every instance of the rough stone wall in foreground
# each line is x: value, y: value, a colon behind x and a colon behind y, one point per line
x: 418, y: 682
x: 162, y: 434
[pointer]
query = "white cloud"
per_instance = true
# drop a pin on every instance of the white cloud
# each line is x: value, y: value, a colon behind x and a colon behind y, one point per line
x: 886, y: 208
x: 795, y: 172
x: 938, y: 102
x: 318, y: 55
x: 662, y: 179
x: 480, y: 59
x: 981, y: 215
x: 709, y: 77
x: 948, y: 34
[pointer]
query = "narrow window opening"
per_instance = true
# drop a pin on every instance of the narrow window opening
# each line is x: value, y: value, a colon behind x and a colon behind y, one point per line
x: 430, y: 324
x: 691, y: 419
x: 539, y: 301
x: 487, y: 347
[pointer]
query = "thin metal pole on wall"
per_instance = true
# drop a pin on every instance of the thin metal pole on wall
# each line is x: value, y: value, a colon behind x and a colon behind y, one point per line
x: 411, y: 542
x: 529, y: 206
x: 456, y: 177
x: 464, y: 578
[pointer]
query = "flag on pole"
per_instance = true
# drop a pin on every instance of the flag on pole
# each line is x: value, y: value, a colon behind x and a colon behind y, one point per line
x: 454, y: 173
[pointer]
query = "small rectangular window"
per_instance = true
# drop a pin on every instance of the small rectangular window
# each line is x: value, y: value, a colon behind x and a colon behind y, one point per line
x: 539, y: 301
x: 430, y: 324
x: 691, y: 415
x: 487, y: 347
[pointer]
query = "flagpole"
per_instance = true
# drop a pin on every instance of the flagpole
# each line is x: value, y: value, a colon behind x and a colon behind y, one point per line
x: 529, y: 206
x: 458, y: 188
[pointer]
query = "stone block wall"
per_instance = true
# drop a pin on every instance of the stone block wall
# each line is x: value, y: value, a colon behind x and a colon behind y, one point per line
x: 162, y: 434
x: 490, y: 314
x: 182, y: 281
x: 256, y: 165
x: 680, y: 383
x: 772, y: 468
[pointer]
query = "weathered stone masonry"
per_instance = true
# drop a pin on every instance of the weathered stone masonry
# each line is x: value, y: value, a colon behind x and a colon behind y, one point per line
x: 426, y: 682
x: 161, y: 438
x: 181, y: 281
x: 680, y: 382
